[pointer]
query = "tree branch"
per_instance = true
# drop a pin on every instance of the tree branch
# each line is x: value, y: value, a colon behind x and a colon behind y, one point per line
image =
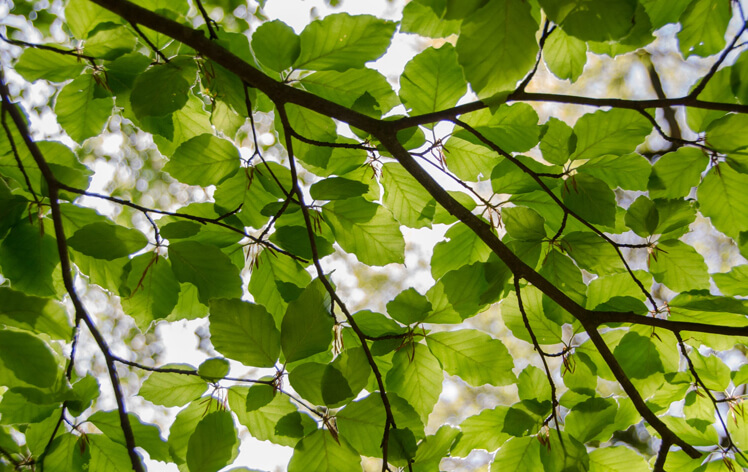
x: 67, y: 273
x: 389, y: 419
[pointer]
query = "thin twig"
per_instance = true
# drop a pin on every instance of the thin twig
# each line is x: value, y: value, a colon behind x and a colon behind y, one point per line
x: 389, y: 417
x: 536, y: 345
x: 209, y: 22
x: 558, y: 202
x: 64, y: 52
x: 67, y: 274
x: 700, y: 383
x: 148, y: 42
x: 713, y: 70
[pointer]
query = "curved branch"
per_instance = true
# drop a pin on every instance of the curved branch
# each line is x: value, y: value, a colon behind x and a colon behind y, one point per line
x: 390, y: 419
x: 67, y: 274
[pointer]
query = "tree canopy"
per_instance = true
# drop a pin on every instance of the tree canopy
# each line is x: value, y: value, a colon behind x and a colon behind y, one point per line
x: 254, y: 159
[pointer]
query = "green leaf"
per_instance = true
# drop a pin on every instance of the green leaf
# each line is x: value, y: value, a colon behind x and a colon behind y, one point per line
x: 497, y: 46
x: 462, y: 248
x: 30, y: 358
x: 593, y: 253
x: 82, y: 17
x: 417, y: 377
x: 592, y: 20
x: 213, y: 369
x: 638, y: 356
x: 721, y: 198
x: 146, y: 435
x: 558, y: 142
x: 409, y: 202
x: 204, y: 160
x: 725, y: 134
x: 474, y: 356
x: 28, y: 257
x: 277, y: 421
x: 244, y: 332
x: 409, y: 307
x: 642, y: 217
x: 561, y: 272
x: 173, y: 389
x: 107, y: 454
x: 35, y: 64
x: 341, y: 41
x: 161, y: 90
x: 12, y: 208
x: 321, y: 452
x: 361, y: 422
x: 207, y: 268
x: 546, y: 331
x: 110, y: 43
x: 347, y: 88
x: 307, y: 325
x: 514, y: 128
x: 587, y: 420
x: 321, y: 384
x: 469, y: 161
x: 591, y: 199
x: 214, y: 444
x: 609, y: 132
x: 107, y: 241
x: 337, y: 188
x: 629, y: 171
x: 678, y: 266
x: 421, y: 19
x: 617, y: 459
x: 366, y: 230
x: 28, y: 312
x: 703, y: 28
x: 675, y: 173
x: 565, y: 55
x: 276, y: 281
x: 276, y: 45
x: 432, y: 81
x: 482, y: 431
x: 523, y: 223
x: 518, y: 454
x: 713, y: 372
x: 79, y: 113
x: 152, y: 290
x: 733, y: 283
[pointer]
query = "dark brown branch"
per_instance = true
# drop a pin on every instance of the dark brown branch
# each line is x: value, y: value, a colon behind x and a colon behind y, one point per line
x: 389, y: 419
x: 67, y: 274
x: 281, y: 93
x: 659, y: 465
